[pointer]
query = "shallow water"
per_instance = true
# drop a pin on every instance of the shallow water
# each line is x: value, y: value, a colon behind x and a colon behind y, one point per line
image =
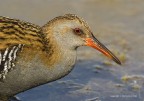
x: 118, y: 24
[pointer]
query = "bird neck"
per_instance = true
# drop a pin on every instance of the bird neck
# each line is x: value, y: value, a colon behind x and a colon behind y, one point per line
x: 51, y: 52
x: 55, y: 52
x: 61, y: 62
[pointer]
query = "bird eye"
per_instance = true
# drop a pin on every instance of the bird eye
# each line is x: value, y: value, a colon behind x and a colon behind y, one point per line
x: 78, y: 31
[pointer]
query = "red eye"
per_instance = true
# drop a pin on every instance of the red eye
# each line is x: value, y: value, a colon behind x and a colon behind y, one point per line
x: 77, y: 30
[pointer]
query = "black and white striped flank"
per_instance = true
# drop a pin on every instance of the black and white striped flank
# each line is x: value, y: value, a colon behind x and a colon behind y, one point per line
x: 7, y: 59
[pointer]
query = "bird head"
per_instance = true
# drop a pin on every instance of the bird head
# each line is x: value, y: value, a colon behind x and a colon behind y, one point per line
x: 70, y: 31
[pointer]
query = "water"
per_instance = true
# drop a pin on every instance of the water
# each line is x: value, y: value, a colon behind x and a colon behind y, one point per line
x: 116, y: 23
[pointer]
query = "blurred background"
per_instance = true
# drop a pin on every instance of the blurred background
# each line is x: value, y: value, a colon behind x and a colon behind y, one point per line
x: 119, y: 24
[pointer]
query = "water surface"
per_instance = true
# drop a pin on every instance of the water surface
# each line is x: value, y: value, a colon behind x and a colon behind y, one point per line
x: 119, y: 24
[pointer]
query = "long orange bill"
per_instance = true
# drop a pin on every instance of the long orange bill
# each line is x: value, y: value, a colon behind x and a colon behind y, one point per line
x: 93, y: 42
